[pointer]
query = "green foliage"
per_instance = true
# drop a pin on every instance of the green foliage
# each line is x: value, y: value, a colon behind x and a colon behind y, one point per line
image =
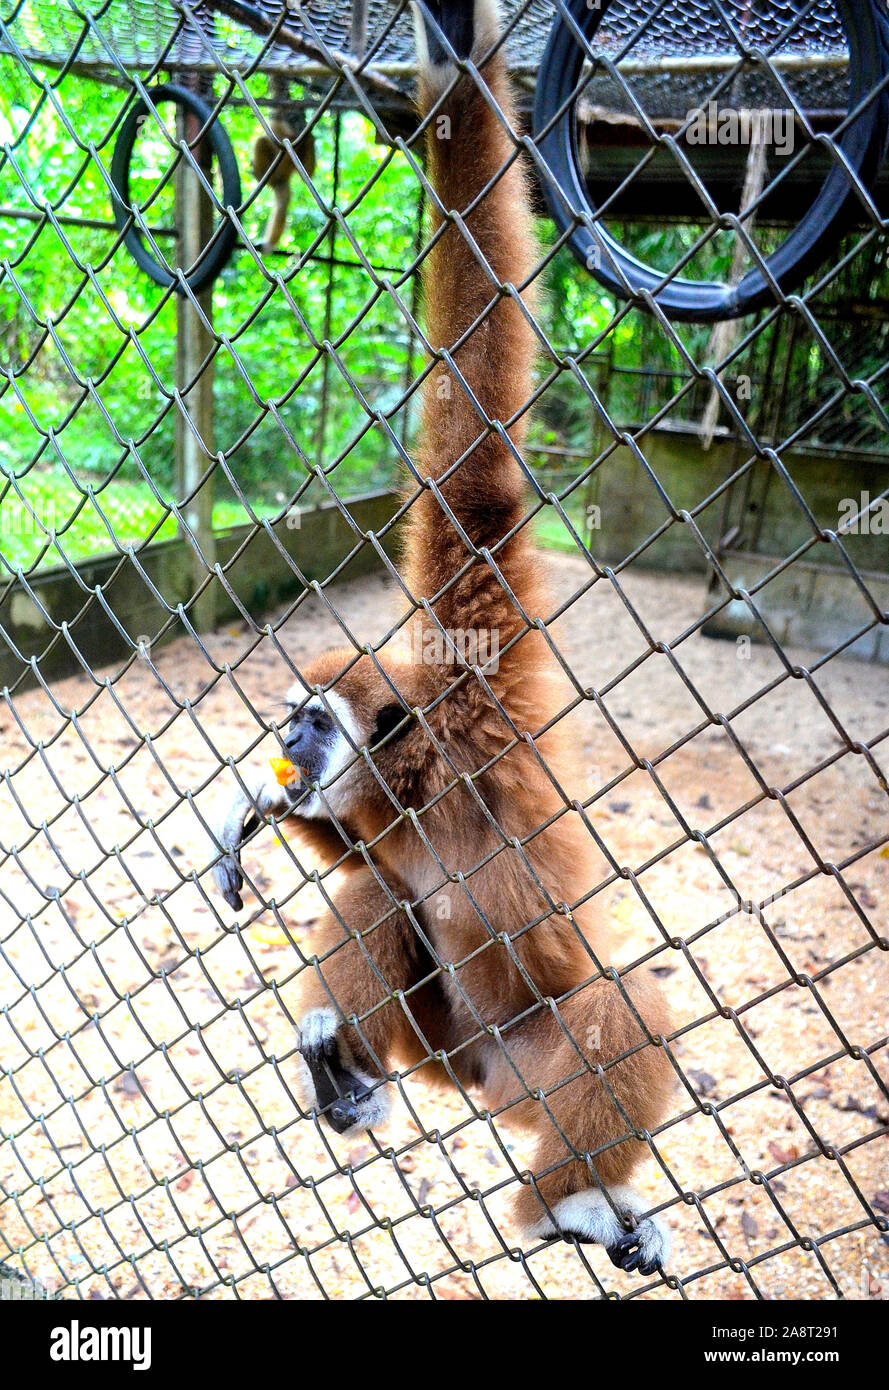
x: 87, y: 342
x: 99, y: 521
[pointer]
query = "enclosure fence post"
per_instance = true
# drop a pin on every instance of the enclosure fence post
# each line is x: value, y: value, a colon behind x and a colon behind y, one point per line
x: 358, y: 30
x: 194, y: 363
x: 598, y: 440
x: 408, y: 374
x: 321, y: 435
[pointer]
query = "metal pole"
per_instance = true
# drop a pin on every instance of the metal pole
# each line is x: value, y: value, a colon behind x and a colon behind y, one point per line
x: 358, y: 31
x: 407, y: 412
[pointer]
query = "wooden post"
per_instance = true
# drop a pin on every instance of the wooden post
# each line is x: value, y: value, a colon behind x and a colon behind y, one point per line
x: 194, y: 221
x: 321, y: 436
x: 598, y: 441
x: 358, y: 30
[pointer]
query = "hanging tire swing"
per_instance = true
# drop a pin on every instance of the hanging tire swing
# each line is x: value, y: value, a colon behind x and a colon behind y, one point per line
x: 219, y: 248
x: 861, y: 148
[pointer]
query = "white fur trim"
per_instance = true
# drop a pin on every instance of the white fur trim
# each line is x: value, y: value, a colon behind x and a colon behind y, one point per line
x: 349, y: 738
x: 585, y: 1214
x: 590, y: 1216
x: 317, y: 1027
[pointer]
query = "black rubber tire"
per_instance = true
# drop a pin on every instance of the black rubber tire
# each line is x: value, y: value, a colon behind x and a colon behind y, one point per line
x: 863, y: 145
x: 220, y: 247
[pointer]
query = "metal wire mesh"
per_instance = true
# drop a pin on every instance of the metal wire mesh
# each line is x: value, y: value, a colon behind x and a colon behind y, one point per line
x: 130, y: 33
x: 153, y: 1140
x: 126, y: 34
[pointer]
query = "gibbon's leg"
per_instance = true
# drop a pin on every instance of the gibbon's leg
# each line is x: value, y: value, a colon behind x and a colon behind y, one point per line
x: 277, y: 221
x: 595, y: 1121
x: 351, y: 977
x: 271, y: 161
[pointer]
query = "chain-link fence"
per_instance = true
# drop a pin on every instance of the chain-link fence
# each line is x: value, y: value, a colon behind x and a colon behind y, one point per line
x: 199, y: 474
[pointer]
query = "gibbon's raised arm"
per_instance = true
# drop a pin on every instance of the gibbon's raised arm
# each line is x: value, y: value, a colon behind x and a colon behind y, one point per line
x: 477, y: 180
x: 481, y: 240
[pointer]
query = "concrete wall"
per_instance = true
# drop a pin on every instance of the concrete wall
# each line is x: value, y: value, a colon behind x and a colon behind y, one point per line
x: 808, y: 606
x: 816, y: 601
x: 111, y: 599
x: 762, y: 505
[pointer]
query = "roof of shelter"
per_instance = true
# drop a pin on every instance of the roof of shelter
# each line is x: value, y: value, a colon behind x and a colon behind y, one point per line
x: 656, y: 41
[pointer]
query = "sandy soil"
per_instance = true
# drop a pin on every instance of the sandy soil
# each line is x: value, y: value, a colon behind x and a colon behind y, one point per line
x: 149, y: 1092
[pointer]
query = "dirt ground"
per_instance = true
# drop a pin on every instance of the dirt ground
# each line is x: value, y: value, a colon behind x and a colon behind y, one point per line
x: 150, y: 1141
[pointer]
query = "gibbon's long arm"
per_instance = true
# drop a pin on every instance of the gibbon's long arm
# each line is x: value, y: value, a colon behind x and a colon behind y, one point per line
x: 235, y: 822
x: 237, y: 818
x: 477, y: 180
x: 481, y: 242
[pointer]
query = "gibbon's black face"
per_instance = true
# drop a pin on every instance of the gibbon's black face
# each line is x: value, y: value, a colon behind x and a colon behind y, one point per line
x: 314, y: 741
x: 311, y: 740
x: 343, y: 712
x: 322, y: 740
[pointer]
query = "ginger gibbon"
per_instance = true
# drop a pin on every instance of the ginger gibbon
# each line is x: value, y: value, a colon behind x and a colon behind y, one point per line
x: 459, y: 928
x: 271, y: 162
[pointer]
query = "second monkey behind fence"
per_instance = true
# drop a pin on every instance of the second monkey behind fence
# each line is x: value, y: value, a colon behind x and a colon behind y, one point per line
x: 464, y: 925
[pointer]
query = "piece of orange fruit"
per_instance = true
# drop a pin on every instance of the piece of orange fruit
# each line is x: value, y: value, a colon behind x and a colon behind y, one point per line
x: 284, y: 771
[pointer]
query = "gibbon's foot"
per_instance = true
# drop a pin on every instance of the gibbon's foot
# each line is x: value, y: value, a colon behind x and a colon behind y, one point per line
x: 644, y: 1248
x: 470, y: 27
x: 346, y: 1097
x: 593, y: 1219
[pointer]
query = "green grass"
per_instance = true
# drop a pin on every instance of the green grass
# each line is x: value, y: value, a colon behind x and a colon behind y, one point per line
x: 551, y: 532
x: 129, y: 509
x: 132, y: 513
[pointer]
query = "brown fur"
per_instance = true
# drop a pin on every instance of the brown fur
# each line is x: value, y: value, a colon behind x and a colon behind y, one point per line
x: 272, y: 163
x: 451, y: 768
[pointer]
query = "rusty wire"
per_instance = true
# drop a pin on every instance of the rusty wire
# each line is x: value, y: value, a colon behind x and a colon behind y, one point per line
x: 27, y: 1200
